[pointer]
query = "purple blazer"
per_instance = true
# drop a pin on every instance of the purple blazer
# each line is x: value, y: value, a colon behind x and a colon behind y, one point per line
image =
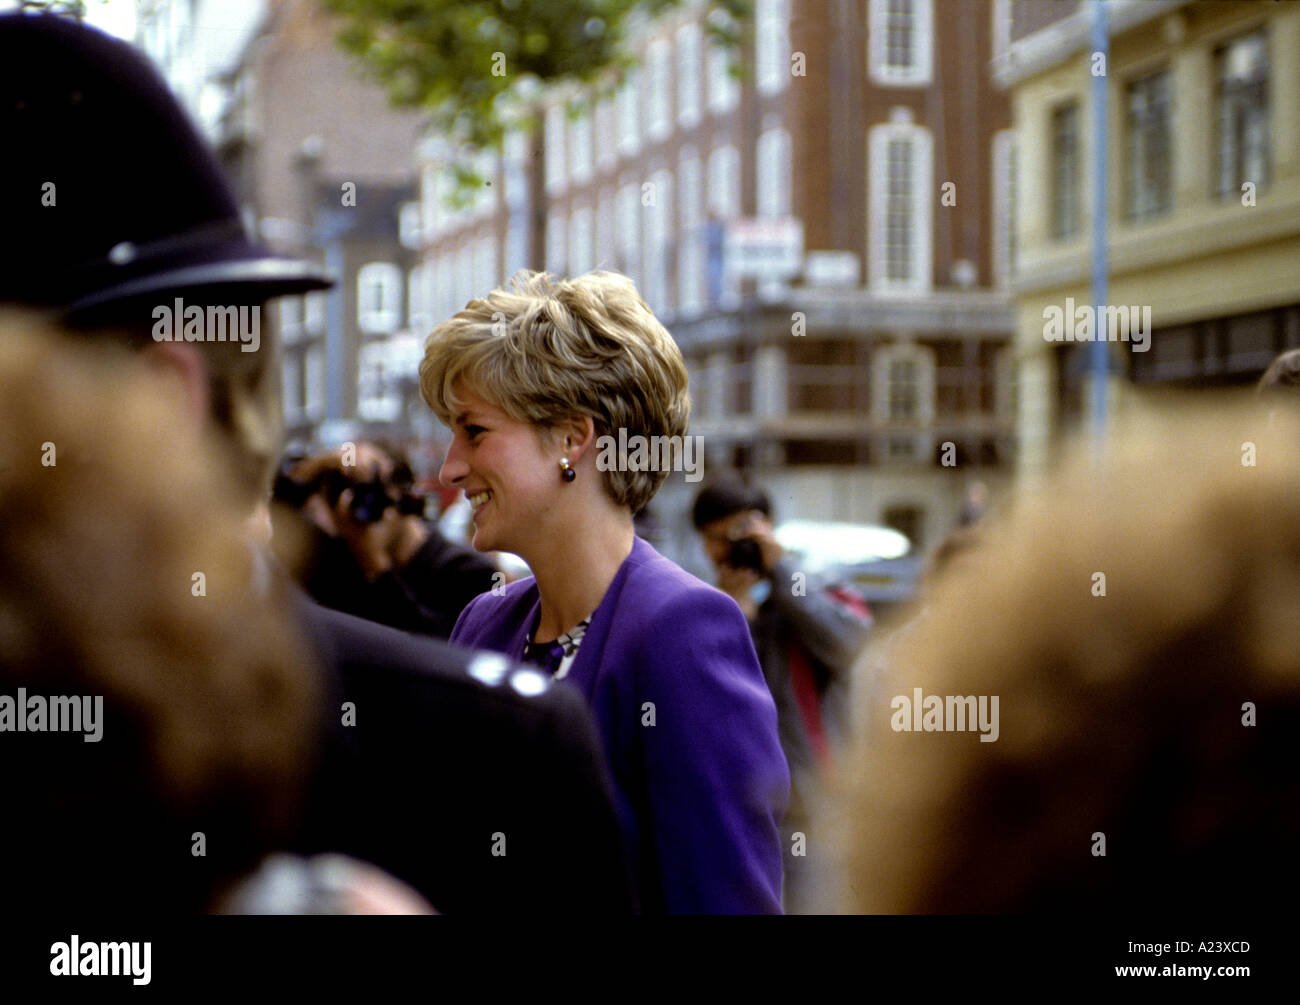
x: 689, y: 729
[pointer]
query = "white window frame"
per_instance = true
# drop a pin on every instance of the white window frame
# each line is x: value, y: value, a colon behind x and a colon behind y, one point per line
x: 605, y: 244
x: 581, y: 242
x: 904, y: 352
x: 606, y: 134
x: 689, y: 49
x: 771, y: 46
x: 724, y: 89
x: 580, y: 147
x: 691, y: 292
x: 291, y: 326
x: 659, y: 115
x: 408, y: 225
x: 878, y: 140
x: 557, y: 257
x: 657, y: 238
x: 773, y: 175
x: 628, y: 232
x: 418, y: 314
x: 724, y: 182
x: 556, y: 176
x: 291, y: 389
x: 386, y: 319
x: 628, y: 102
x: 313, y: 380
x: 314, y: 312
x: 921, y: 72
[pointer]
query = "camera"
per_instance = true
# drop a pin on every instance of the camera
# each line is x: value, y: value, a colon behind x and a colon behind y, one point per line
x: 369, y: 499
x: 745, y: 554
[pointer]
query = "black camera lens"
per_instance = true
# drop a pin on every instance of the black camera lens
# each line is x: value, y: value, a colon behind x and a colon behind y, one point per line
x: 369, y: 500
x: 745, y: 554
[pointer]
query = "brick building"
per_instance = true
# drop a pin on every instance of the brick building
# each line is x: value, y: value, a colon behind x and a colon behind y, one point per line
x: 823, y: 237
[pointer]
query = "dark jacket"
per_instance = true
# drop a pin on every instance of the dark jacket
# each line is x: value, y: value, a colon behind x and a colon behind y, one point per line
x: 425, y: 595
x: 453, y: 757
x: 689, y: 726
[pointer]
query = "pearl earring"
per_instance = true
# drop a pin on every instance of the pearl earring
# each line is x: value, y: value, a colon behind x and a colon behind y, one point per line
x: 566, y: 470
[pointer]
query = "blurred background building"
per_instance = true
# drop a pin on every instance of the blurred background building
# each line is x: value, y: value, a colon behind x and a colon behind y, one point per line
x: 821, y: 219
x: 324, y: 167
x: 823, y: 233
x: 1203, y: 154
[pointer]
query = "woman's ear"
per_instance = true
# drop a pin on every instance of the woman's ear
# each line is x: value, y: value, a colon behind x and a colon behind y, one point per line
x: 576, y: 437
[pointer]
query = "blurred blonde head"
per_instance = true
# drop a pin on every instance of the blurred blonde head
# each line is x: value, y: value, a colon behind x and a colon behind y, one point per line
x: 128, y: 575
x: 1123, y: 616
x: 550, y: 349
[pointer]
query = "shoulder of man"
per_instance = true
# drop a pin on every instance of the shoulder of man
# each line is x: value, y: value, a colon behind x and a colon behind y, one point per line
x: 462, y: 773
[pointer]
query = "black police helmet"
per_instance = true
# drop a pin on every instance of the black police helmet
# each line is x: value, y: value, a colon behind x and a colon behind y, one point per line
x: 111, y: 197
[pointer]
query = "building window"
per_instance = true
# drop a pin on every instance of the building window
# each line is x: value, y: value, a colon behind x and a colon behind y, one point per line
x: 377, y: 396
x: 658, y: 241
x: 314, y: 312
x: 724, y: 89
x: 629, y: 113
x: 629, y: 231
x: 555, y: 148
x: 556, y: 225
x: 606, y: 253
x: 772, y: 45
x: 291, y: 389
x: 408, y: 224
x: 379, y: 298
x: 1004, y: 206
x: 901, y: 155
x: 606, y: 140
x: 486, y: 273
x: 903, y: 376
x: 1066, y: 174
x: 580, y: 241
x: 724, y: 182
x: 580, y: 135
x: 659, y: 122
x: 688, y: 75
x: 1149, y: 183
x: 901, y: 40
x: 290, y: 318
x: 314, y: 381
x: 690, y: 246
x: 1241, y: 70
x: 772, y: 175
x: 418, y: 316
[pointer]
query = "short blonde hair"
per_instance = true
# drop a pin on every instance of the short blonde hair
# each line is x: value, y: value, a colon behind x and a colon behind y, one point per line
x: 550, y: 349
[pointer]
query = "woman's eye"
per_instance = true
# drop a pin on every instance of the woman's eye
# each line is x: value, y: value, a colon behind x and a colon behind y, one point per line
x: 473, y: 431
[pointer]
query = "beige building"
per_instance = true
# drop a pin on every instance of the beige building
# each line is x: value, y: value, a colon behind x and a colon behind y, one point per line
x: 1203, y: 158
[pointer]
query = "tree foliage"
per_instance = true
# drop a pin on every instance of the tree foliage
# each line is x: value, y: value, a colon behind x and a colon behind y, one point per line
x: 476, y: 65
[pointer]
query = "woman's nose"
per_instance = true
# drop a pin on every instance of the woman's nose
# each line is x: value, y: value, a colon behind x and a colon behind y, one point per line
x: 454, y: 468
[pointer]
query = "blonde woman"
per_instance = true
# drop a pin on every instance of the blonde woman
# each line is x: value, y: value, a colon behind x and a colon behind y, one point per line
x: 531, y: 380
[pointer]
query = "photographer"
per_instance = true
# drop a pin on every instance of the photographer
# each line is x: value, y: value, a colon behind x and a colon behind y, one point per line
x: 370, y: 551
x: 806, y: 639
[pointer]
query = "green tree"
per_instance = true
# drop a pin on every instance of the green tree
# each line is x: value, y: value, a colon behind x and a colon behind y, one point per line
x: 480, y: 66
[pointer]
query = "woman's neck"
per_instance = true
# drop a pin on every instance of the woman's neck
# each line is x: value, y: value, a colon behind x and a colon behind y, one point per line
x: 574, y: 571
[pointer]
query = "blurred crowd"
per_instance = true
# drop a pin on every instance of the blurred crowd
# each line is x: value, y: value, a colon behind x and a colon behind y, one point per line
x: 319, y: 700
